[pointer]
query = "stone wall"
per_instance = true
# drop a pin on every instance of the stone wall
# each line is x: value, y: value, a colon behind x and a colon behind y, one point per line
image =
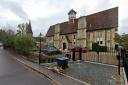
x: 72, y: 38
x: 57, y: 36
x: 103, y: 37
x: 50, y: 40
x: 81, y: 32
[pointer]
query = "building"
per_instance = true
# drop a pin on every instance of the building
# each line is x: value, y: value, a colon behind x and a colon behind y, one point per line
x: 83, y: 31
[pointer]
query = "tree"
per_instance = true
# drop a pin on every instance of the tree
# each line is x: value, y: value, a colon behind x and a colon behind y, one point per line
x: 29, y: 29
x: 22, y: 29
x: 117, y: 38
x: 7, y: 38
x: 2, y: 34
x: 122, y: 40
x: 24, y: 43
x: 25, y: 29
x: 9, y: 42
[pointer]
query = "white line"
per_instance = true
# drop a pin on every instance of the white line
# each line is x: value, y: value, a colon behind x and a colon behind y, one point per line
x: 76, y: 79
x: 101, y: 63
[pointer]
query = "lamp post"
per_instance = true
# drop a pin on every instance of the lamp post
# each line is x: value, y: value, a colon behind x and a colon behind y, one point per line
x: 119, y: 65
x: 118, y: 57
x: 40, y: 49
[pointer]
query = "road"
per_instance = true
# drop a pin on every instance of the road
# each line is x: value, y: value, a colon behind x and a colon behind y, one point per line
x: 14, y: 73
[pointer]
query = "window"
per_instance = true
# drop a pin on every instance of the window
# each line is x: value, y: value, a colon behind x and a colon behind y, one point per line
x: 97, y: 34
x: 62, y: 37
x: 98, y: 42
x: 74, y: 43
x: 101, y: 42
x: 100, y: 34
x: 74, y: 36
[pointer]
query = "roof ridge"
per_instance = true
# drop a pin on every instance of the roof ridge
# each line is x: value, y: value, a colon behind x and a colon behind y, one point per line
x: 101, y: 11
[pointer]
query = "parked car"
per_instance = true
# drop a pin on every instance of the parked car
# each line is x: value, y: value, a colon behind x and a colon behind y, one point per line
x: 50, y: 50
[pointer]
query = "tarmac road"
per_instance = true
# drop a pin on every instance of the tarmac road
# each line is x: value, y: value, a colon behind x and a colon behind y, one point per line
x: 14, y: 73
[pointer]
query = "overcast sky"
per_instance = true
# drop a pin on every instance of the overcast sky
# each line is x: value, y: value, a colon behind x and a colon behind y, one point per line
x: 44, y: 13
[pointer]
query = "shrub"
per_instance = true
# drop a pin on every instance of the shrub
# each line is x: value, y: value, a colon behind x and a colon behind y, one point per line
x: 96, y: 47
x: 24, y: 43
x: 103, y: 49
x: 8, y: 42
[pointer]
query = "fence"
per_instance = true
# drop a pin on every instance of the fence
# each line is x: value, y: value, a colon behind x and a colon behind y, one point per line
x: 109, y: 57
x: 125, y: 64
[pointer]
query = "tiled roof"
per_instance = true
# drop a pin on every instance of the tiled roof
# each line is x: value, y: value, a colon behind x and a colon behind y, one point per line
x: 50, y: 31
x: 101, y: 20
x: 67, y: 27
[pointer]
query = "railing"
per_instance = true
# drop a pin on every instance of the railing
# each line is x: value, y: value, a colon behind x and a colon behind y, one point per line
x: 125, y: 64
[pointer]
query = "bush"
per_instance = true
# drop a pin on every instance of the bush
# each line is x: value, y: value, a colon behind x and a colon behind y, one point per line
x: 24, y: 43
x: 8, y: 42
x: 103, y: 49
x: 96, y: 47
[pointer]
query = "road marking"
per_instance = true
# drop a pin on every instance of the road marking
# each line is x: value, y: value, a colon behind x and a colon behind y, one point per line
x: 101, y: 63
x: 76, y: 79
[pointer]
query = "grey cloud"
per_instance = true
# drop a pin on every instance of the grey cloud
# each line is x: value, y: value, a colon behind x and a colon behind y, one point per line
x: 42, y: 24
x: 123, y: 26
x: 15, y: 8
x: 104, y: 4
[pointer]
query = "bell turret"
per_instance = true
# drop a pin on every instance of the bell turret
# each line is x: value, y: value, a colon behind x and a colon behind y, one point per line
x: 72, y: 14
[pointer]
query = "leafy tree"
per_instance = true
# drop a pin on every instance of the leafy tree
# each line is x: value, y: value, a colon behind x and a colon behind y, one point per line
x: 117, y: 38
x: 7, y: 38
x: 9, y: 42
x: 122, y: 40
x: 25, y: 29
x: 2, y: 34
x: 29, y: 29
x: 24, y: 43
x: 22, y: 29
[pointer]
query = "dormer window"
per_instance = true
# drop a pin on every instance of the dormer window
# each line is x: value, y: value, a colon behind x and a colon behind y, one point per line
x: 74, y: 36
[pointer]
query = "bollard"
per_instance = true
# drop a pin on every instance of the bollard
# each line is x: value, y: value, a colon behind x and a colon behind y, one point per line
x: 73, y: 56
x: 80, y: 54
